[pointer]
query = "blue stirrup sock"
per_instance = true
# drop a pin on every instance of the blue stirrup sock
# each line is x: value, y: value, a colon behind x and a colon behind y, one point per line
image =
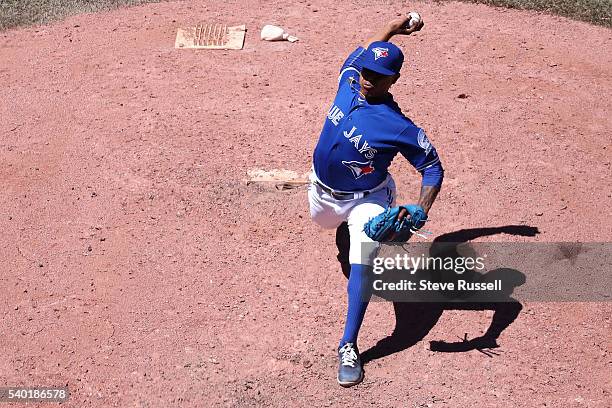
x: 359, y: 292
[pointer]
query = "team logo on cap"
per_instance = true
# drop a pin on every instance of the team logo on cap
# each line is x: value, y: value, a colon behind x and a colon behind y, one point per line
x: 358, y: 168
x: 380, y: 52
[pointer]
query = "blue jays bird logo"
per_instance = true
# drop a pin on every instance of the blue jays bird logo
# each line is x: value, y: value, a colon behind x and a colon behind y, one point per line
x: 359, y: 169
x: 380, y: 52
x: 424, y: 141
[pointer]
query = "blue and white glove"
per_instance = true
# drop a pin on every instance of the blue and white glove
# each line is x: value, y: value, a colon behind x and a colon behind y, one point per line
x: 394, y: 225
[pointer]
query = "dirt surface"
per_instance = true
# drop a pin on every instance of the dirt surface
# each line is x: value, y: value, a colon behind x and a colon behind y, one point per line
x: 139, y: 269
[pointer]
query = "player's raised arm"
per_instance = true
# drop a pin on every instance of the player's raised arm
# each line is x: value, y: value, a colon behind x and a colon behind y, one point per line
x: 398, y: 26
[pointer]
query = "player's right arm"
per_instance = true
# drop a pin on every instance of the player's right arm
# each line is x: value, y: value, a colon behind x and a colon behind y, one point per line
x: 397, y: 26
x: 352, y: 65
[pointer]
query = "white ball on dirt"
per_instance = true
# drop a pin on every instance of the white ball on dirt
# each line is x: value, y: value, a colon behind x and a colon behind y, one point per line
x: 415, y: 18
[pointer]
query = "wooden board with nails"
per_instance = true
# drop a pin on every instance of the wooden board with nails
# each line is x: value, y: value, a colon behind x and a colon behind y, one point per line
x: 213, y: 36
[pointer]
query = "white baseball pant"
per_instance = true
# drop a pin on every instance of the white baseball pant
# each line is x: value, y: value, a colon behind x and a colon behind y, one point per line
x: 329, y: 213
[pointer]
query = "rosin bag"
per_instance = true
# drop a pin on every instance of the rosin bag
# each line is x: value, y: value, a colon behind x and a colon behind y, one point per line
x: 274, y: 33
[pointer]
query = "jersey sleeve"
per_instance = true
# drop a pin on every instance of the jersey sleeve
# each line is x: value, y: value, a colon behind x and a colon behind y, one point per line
x: 352, y: 65
x: 414, y: 145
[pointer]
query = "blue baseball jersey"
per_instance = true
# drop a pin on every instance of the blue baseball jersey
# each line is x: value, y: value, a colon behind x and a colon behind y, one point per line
x: 360, y: 139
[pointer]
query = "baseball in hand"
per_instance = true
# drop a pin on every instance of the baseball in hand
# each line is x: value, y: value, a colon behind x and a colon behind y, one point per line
x: 415, y: 18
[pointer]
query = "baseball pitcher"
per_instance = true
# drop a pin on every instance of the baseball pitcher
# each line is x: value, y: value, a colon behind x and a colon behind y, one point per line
x: 364, y: 130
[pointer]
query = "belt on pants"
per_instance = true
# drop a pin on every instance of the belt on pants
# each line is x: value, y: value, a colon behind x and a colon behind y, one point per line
x: 338, y: 195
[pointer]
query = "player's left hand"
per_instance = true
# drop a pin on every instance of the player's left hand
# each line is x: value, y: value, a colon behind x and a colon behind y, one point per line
x: 415, y: 215
x: 396, y: 224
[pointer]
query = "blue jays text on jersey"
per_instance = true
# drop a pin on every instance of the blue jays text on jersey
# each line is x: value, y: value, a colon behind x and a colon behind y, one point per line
x: 360, y: 139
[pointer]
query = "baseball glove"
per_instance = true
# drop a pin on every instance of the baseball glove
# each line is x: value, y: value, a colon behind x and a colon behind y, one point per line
x: 390, y: 226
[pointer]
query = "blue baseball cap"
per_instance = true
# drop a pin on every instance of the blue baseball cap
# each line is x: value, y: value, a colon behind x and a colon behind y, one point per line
x: 383, y: 57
